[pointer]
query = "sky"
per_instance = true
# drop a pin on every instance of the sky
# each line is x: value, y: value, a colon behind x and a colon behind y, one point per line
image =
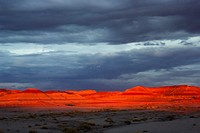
x: 99, y: 44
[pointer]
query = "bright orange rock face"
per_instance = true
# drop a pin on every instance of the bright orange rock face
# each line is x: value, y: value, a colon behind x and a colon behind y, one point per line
x: 180, y: 97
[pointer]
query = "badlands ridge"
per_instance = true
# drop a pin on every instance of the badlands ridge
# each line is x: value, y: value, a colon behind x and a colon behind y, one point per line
x: 179, y: 97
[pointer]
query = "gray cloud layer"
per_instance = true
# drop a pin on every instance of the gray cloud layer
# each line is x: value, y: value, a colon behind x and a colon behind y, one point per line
x: 112, y: 21
x: 142, y: 67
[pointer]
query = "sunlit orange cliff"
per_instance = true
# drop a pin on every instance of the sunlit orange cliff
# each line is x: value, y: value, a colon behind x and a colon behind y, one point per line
x: 182, y: 97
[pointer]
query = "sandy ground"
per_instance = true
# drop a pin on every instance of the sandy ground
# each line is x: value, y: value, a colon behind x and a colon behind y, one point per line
x: 187, y: 125
x: 101, y: 121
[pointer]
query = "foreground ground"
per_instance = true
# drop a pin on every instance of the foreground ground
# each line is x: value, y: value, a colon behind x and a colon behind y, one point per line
x: 18, y: 120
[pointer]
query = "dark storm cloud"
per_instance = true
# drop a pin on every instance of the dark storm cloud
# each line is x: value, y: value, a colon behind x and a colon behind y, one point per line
x: 154, y: 44
x: 186, y: 43
x: 140, y: 61
x: 113, y: 21
x: 97, y: 71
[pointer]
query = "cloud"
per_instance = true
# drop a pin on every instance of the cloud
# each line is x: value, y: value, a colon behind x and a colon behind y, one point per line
x: 146, y: 66
x: 142, y: 60
x: 15, y: 85
x: 87, y: 21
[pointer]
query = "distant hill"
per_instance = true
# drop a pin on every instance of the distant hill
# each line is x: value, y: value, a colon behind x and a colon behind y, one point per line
x: 136, y: 97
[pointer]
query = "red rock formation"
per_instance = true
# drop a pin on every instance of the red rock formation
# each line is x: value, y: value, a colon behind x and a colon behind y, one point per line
x: 87, y: 92
x: 138, y: 90
x: 32, y: 90
x: 137, y: 97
